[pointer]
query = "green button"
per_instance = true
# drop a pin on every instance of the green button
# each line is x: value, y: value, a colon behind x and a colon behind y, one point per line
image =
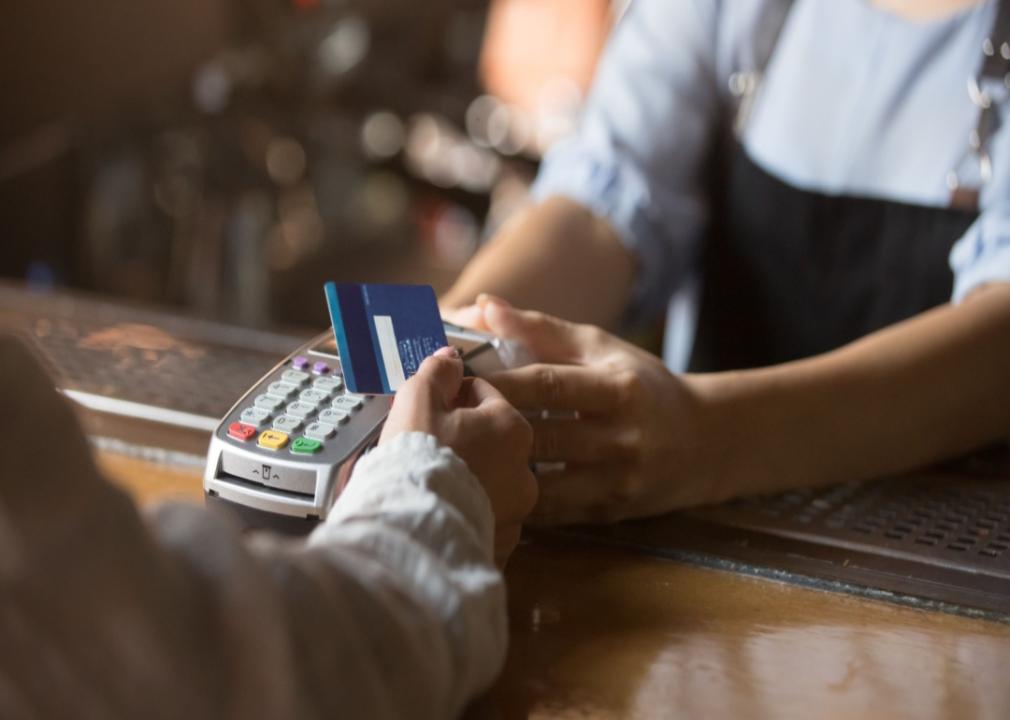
x: 306, y: 446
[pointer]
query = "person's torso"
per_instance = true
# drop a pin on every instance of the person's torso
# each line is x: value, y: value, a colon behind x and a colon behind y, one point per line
x: 834, y: 218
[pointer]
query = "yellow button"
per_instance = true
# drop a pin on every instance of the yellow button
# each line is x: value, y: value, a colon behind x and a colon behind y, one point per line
x: 273, y: 439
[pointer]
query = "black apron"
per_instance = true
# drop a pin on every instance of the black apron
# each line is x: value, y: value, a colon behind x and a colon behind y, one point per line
x: 789, y: 273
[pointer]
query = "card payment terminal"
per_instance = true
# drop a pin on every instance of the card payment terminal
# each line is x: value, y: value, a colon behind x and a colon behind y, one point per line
x: 285, y: 450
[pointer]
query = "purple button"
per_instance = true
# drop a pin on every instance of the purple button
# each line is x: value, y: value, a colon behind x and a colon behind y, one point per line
x: 320, y: 368
x: 300, y: 363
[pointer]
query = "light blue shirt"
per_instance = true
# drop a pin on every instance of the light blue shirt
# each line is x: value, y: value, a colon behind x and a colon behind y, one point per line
x: 855, y: 100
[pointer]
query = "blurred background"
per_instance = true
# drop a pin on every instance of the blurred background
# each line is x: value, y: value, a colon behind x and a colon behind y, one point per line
x: 226, y: 157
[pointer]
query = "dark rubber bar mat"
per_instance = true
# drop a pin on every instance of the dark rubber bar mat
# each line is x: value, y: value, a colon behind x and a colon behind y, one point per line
x: 148, y: 357
x: 938, y: 540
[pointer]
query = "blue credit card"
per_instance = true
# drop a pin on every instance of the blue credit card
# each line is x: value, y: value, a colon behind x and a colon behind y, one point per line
x: 383, y: 332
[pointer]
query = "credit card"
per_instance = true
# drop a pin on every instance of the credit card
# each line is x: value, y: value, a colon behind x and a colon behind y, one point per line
x: 383, y: 332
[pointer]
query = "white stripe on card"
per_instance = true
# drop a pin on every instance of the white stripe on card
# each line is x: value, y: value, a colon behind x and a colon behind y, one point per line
x: 390, y: 352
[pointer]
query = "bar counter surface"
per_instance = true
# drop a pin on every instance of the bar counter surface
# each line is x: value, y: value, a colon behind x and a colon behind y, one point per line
x: 605, y: 633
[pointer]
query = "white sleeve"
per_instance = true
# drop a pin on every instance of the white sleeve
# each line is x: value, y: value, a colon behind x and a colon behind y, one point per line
x: 416, y: 525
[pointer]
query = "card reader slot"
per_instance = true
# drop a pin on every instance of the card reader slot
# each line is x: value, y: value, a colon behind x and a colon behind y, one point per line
x: 249, y: 517
x: 260, y: 487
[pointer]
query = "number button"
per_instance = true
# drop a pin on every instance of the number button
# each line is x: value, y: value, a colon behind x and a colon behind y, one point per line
x: 268, y: 402
x: 295, y: 377
x: 328, y: 384
x: 320, y: 431
x: 333, y: 417
x: 286, y: 423
x: 282, y: 390
x: 347, y: 402
x: 300, y: 409
x: 312, y: 397
x: 273, y: 439
x: 257, y: 417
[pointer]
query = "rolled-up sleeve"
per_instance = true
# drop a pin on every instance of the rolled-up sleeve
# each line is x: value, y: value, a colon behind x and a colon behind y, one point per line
x: 982, y: 255
x: 637, y: 159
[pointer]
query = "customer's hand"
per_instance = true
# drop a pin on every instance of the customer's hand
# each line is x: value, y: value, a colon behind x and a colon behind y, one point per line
x: 471, y: 417
x: 43, y: 440
x: 632, y: 441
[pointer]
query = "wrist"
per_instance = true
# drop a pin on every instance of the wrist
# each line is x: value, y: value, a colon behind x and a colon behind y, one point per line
x: 784, y: 428
x: 736, y: 432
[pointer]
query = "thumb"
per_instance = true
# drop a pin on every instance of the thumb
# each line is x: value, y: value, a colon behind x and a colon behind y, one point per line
x: 550, y: 339
x: 470, y: 316
x: 440, y: 376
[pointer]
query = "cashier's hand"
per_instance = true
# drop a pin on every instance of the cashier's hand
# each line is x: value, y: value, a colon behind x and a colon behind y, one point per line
x: 471, y: 417
x: 629, y: 430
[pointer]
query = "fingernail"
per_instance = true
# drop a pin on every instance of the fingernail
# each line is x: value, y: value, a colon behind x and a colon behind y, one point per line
x: 449, y: 351
x: 485, y: 298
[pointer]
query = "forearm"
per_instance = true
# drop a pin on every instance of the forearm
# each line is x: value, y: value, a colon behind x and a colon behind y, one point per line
x: 917, y: 392
x: 556, y: 257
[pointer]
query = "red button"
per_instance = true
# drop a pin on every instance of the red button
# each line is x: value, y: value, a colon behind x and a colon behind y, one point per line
x: 242, y: 432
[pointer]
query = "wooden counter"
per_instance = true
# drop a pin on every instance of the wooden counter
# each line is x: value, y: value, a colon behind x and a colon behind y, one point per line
x: 601, y: 633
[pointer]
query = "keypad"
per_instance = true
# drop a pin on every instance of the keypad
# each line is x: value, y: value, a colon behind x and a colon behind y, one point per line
x: 281, y: 389
x: 320, y: 431
x: 331, y: 416
x: 287, y: 423
x: 289, y: 405
x: 254, y: 416
x: 300, y: 409
x: 313, y: 397
x: 268, y: 402
x: 295, y: 377
x: 273, y: 439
